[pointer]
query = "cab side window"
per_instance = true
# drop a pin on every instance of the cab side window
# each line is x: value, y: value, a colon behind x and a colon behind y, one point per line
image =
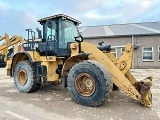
x: 51, y: 30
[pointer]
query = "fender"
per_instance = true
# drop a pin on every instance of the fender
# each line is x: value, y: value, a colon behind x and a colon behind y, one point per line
x: 71, y: 61
x: 17, y: 58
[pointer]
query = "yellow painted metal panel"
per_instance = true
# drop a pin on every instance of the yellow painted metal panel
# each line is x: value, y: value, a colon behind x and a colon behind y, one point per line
x: 51, y: 71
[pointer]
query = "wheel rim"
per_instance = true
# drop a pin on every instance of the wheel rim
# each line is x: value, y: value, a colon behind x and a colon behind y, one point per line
x: 85, y: 84
x: 22, y: 77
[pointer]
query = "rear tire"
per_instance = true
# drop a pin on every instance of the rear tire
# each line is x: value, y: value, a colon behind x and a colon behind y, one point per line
x: 24, y: 77
x: 89, y: 83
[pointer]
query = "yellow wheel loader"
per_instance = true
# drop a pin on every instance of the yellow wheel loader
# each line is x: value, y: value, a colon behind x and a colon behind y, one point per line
x: 60, y: 56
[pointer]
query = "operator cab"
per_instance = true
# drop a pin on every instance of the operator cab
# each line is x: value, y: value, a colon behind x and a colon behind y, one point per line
x: 58, y: 32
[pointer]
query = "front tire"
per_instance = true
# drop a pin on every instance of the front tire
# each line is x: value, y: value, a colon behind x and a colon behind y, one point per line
x: 24, y: 77
x: 89, y: 83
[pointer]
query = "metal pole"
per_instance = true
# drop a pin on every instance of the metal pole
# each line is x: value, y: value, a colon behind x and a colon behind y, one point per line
x: 132, y: 40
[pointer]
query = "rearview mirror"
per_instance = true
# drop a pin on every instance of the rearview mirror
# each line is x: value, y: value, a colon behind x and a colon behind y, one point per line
x: 79, y: 39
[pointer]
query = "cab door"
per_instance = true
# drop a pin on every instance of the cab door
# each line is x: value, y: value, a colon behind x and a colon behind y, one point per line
x: 49, y: 45
x: 67, y: 33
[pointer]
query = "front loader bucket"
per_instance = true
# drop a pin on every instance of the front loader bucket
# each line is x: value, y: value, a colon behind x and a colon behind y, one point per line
x: 143, y: 88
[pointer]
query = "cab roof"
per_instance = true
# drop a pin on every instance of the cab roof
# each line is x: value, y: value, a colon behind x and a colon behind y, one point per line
x: 58, y: 16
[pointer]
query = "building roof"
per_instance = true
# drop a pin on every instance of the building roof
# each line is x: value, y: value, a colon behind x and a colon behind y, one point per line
x: 130, y: 29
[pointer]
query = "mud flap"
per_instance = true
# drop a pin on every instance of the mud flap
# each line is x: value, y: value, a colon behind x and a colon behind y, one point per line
x: 143, y: 88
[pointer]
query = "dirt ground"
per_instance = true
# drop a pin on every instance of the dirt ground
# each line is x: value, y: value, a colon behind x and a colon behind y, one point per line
x: 55, y: 103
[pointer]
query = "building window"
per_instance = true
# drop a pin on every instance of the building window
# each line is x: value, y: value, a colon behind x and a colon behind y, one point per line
x: 114, y: 52
x: 147, y: 54
x: 158, y: 53
x: 122, y: 50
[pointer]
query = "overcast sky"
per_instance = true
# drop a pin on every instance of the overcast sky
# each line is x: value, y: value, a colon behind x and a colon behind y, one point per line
x: 17, y: 15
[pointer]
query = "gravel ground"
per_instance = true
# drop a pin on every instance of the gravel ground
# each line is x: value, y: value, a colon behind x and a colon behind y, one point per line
x: 53, y: 102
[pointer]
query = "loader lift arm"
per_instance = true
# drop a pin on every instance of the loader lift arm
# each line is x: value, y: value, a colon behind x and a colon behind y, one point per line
x: 8, y: 42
